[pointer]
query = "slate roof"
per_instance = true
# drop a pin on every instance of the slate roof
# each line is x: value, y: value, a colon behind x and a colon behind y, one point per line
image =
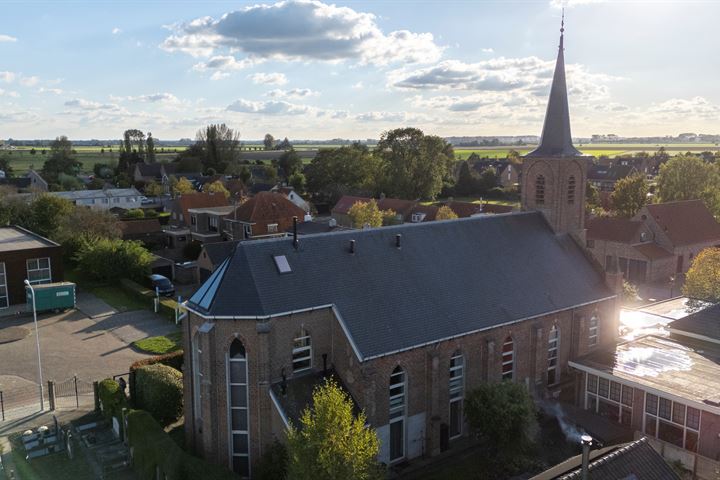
x: 705, y: 322
x: 686, y: 222
x: 218, y: 251
x: 315, y: 226
x: 612, y: 229
x: 652, y: 251
x: 610, y: 174
x: 449, y: 278
x: 632, y: 461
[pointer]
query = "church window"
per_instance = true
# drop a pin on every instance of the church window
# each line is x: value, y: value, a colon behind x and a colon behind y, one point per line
x: 302, y: 352
x: 540, y: 190
x: 238, y: 405
x: 397, y: 414
x: 457, y: 387
x: 508, y: 358
x: 571, y: 190
x: 593, y: 330
x: 553, y: 346
x: 196, y: 352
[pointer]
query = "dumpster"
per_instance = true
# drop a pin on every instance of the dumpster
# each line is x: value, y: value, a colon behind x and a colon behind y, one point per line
x: 52, y: 296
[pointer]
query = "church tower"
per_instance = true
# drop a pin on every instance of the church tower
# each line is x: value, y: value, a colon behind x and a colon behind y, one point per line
x: 555, y: 173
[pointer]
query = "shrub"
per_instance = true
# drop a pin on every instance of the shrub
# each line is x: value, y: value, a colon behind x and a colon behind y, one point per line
x: 153, y: 448
x: 159, y: 390
x: 108, y: 259
x: 112, y: 399
x: 273, y: 463
x: 174, y: 360
x: 135, y: 213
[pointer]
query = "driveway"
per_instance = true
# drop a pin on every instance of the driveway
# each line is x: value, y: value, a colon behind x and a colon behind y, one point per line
x: 72, y: 343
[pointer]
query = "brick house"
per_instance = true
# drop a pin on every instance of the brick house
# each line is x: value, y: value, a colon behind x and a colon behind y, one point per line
x: 407, y: 317
x: 266, y: 213
x: 26, y: 255
x: 657, y: 243
x: 604, y: 177
x: 403, y: 208
x: 667, y: 388
x: 178, y: 235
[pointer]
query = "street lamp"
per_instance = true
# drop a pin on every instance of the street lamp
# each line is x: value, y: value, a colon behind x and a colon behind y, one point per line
x: 37, y: 343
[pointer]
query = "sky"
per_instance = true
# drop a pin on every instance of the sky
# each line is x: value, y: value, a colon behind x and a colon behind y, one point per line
x: 307, y: 69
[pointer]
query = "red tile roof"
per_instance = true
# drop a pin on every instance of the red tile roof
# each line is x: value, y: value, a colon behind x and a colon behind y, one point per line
x: 464, y: 209
x: 342, y: 207
x: 268, y: 207
x: 430, y: 212
x: 495, y: 208
x: 686, y: 222
x: 402, y: 207
x: 622, y: 230
x: 200, y: 200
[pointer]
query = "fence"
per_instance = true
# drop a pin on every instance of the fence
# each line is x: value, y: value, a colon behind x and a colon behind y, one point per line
x: 67, y: 394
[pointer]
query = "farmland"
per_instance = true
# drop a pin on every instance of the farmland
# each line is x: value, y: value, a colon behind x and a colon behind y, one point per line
x: 23, y: 158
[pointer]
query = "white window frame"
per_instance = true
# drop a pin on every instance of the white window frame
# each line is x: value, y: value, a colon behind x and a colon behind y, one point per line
x: 302, y: 352
x: 597, y: 396
x: 657, y: 419
x: 213, y: 223
x: 510, y: 375
x: 272, y: 227
x: 457, y: 389
x: 47, y: 279
x: 197, y: 378
x: 553, y: 353
x: 231, y: 432
x: 397, y: 409
x: 3, y: 287
x: 594, y: 330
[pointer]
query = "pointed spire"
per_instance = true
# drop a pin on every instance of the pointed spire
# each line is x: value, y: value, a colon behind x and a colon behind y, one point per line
x: 556, y: 139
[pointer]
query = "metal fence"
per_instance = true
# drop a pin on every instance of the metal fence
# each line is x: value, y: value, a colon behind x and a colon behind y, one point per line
x: 72, y: 393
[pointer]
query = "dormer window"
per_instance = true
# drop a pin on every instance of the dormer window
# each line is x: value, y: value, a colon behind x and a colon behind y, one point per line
x: 418, y: 217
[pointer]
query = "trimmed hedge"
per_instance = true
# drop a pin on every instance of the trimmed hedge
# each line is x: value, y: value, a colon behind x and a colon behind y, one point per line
x: 167, y: 305
x: 173, y: 359
x: 153, y: 448
x: 112, y: 399
x: 159, y: 390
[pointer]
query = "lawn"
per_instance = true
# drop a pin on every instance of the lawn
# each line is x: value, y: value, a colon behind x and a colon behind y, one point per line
x: 160, y: 345
x: 119, y: 299
x: 51, y: 467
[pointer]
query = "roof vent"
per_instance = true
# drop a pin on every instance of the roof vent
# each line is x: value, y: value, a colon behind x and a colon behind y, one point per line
x: 398, y: 237
x: 352, y: 247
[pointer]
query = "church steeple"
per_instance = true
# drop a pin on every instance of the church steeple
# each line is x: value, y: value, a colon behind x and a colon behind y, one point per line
x: 556, y: 140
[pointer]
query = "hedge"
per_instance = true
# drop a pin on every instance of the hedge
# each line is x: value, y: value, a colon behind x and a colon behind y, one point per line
x: 112, y: 399
x: 173, y: 359
x: 167, y: 305
x: 153, y: 448
x: 159, y: 390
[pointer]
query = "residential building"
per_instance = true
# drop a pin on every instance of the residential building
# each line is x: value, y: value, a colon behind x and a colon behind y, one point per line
x: 127, y: 198
x: 26, y: 255
x: 32, y: 181
x: 659, y: 242
x: 604, y: 177
x: 294, y: 197
x: 159, y: 172
x: 407, y: 318
x: 212, y: 255
x: 507, y: 173
x: 208, y: 224
x: 469, y: 209
x: 667, y: 388
x: 265, y: 214
x: 403, y: 208
x: 147, y: 230
x: 178, y: 232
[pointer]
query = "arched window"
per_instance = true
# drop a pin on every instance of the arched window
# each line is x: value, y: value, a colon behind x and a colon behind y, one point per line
x: 238, y: 409
x: 571, y: 190
x: 196, y: 353
x: 553, y: 349
x: 540, y: 190
x: 397, y: 414
x: 508, y: 357
x: 457, y: 393
x: 593, y: 330
x: 302, y: 352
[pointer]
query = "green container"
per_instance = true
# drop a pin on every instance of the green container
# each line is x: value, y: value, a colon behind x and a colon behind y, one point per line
x: 52, y: 296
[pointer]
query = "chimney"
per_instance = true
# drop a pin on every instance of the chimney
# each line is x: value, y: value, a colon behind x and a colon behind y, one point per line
x: 586, y: 442
x: 352, y: 247
x: 398, y: 237
x: 295, y: 238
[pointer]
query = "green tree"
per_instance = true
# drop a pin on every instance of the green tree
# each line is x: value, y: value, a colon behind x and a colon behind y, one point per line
x: 629, y: 195
x: 335, y: 172
x: 107, y: 259
x: 445, y: 213
x: 135, y: 213
x: 245, y: 175
x: 150, y: 145
x: 703, y: 278
x: 413, y: 165
x: 153, y: 189
x: 61, y: 160
x: 332, y: 443
x: 502, y: 416
x: 270, y: 173
x: 365, y: 214
x: 290, y: 162
x: 514, y: 157
x: 269, y: 142
x: 47, y: 213
x: 184, y: 187
x: 85, y: 224
x: 690, y: 178
x: 390, y: 217
x: 297, y: 181
x: 467, y: 182
x: 592, y: 198
x: 5, y: 165
x: 216, y: 187
x: 219, y: 145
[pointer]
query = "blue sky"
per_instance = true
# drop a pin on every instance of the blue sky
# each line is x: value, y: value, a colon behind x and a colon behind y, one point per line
x: 308, y: 69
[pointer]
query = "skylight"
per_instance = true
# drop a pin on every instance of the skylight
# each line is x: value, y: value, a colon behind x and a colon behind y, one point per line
x: 282, y: 264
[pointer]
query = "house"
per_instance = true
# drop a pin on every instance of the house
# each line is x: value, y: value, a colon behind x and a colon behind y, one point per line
x: 403, y: 208
x: 178, y: 233
x: 312, y: 227
x: 635, y: 460
x: 659, y: 242
x: 147, y: 230
x: 468, y: 209
x: 407, y: 317
x: 293, y: 196
x: 208, y: 224
x: 127, y: 198
x: 265, y: 214
x: 667, y: 388
x: 32, y: 181
x: 212, y: 255
x: 604, y: 178
x: 507, y: 173
x: 159, y: 172
x: 26, y: 255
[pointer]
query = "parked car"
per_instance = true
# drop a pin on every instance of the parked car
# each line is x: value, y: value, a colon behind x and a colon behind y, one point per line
x: 162, y: 285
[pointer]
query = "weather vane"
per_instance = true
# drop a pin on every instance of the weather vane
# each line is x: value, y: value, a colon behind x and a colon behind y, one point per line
x: 562, y: 22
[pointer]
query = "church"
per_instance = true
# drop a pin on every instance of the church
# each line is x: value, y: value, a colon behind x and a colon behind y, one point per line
x: 406, y: 318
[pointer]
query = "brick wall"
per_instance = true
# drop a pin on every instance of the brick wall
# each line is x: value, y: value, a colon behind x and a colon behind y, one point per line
x: 16, y: 269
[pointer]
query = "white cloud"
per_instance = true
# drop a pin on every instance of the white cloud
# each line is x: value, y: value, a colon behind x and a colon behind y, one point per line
x: 29, y: 81
x: 301, y: 30
x: 219, y: 75
x: 272, y: 107
x: 573, y: 3
x: 7, y: 38
x: 55, y: 91
x: 7, y: 77
x: 268, y: 78
x: 358, y: 86
x: 393, y: 117
x: 82, y: 104
x: 224, y: 64
x: 116, y: 30
x: 292, y: 93
x: 8, y: 93
x: 488, y: 50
